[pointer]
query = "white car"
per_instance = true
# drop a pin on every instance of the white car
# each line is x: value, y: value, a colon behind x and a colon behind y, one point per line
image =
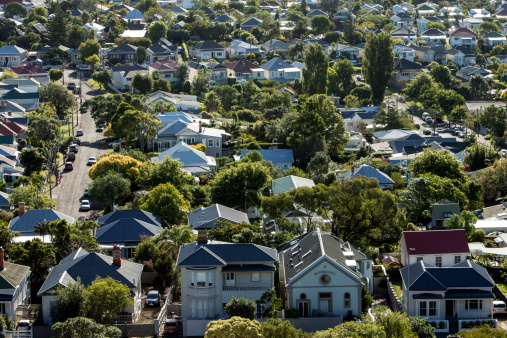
x: 24, y: 325
x: 85, y: 205
x: 503, y: 152
x: 92, y: 160
x: 499, y: 307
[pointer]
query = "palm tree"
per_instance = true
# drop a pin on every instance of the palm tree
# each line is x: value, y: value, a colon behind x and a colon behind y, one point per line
x: 42, y: 229
x: 170, y: 240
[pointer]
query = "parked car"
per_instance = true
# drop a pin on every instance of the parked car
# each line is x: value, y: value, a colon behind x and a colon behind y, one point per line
x: 69, y: 166
x: 153, y: 298
x: 85, y: 205
x: 71, y: 85
x: 462, y: 134
x: 74, y: 148
x: 78, y: 141
x: 503, y: 152
x: 418, y: 126
x: 92, y: 160
x: 25, y: 325
x: 71, y: 156
x: 360, y: 78
x: 427, y: 131
x: 499, y: 307
x: 99, y: 129
x: 457, y: 131
x: 171, y: 326
x: 115, y: 143
x: 77, y: 90
x: 86, y: 191
x: 434, y: 133
x: 429, y: 120
x: 102, y: 67
x: 495, y: 233
x: 79, y: 132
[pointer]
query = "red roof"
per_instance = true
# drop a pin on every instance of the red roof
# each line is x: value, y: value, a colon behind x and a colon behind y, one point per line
x: 14, y: 126
x: 435, y: 242
x: 4, y: 130
x: 463, y: 31
x: 390, y: 260
x: 164, y: 65
x: 241, y: 66
x: 29, y: 69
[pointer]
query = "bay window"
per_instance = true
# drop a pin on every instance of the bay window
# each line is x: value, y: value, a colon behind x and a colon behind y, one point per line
x: 201, y: 279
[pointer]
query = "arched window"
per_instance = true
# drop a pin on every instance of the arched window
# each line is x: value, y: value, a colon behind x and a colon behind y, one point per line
x: 302, y: 296
x: 346, y: 300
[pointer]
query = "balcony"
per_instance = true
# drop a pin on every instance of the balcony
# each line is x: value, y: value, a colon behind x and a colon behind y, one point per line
x: 255, y: 287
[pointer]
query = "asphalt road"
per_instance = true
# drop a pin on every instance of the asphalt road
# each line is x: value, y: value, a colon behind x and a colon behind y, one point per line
x: 70, y: 192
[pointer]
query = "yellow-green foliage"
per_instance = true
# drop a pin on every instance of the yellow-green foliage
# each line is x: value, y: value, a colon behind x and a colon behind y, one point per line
x: 234, y: 327
x: 128, y: 167
x: 199, y: 146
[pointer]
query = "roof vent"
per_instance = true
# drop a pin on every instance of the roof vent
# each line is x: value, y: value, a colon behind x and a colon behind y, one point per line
x: 298, y: 264
x: 295, y: 253
x: 351, y: 263
x: 348, y: 254
x: 306, y: 254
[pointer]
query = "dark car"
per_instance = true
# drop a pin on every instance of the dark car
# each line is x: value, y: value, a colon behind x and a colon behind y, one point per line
x: 427, y: 131
x: 153, y: 298
x: 99, y: 129
x: 69, y: 166
x: 78, y: 141
x: 71, y: 85
x: 171, y: 326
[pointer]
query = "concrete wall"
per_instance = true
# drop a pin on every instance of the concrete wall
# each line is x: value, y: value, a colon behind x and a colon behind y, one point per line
x: 192, y: 328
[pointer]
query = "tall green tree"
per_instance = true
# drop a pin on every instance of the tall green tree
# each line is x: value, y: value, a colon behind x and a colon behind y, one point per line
x: 157, y: 30
x: 494, y: 119
x: 104, y: 297
x: 87, y: 49
x: 201, y: 82
x: 103, y: 78
x: 167, y: 171
x: 58, y: 97
x: 143, y: 83
x: 108, y: 188
x: 15, y: 8
x: 70, y: 302
x: 478, y: 156
x: 378, y: 64
x: 165, y: 200
x: 57, y: 27
x: 315, y: 71
x: 320, y: 24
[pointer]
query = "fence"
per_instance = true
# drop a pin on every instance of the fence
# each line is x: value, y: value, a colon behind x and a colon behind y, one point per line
x: 159, y: 322
x: 393, y: 298
x: 136, y: 330
x: 17, y: 334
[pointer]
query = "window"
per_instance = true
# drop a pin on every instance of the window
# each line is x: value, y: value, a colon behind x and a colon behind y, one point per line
x: 473, y: 304
x: 432, y: 308
x: 210, y: 143
x: 325, y: 279
x: 346, y: 300
x: 447, y: 214
x: 217, y: 155
x: 422, y: 309
x: 201, y: 279
x: 438, y: 261
x: 256, y: 277
x: 202, y: 308
x: 457, y: 259
x: 217, y: 142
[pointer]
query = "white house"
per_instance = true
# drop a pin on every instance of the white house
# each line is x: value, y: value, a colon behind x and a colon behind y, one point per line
x: 12, y: 56
x: 194, y: 161
x: 123, y: 75
x: 494, y: 38
x: 471, y: 23
x: 98, y: 29
x: 463, y: 36
x: 433, y: 35
x: 208, y: 49
x: 402, y: 19
x: 278, y: 70
x: 404, y: 52
x: 15, y: 286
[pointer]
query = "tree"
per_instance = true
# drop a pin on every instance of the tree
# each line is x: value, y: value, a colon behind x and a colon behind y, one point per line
x: 7, y: 27
x: 229, y: 186
x: 15, y: 9
x: 84, y: 327
x: 42, y: 129
x: 344, y: 71
x: 437, y: 25
x: 170, y: 240
x: 330, y: 6
x: 487, y: 27
x: 104, y: 297
x: 126, y: 165
x: 165, y: 200
x: 240, y: 307
x: 395, y: 324
x: 320, y: 24
x: 421, y: 327
x: 143, y: 83
x: 157, y: 30
x: 58, y: 97
x: 55, y: 74
x: 201, y: 82
x: 77, y: 35
x: 87, y: 49
x: 466, y: 221
x: 141, y: 54
x: 478, y: 156
x: 167, y: 171
x: 182, y: 72
x: 378, y: 64
x: 274, y: 327
x: 32, y: 160
x: 234, y: 327
x: 29, y: 195
x: 494, y: 119
x: 441, y: 74
x: 145, y: 5
x: 70, y: 302
x: 92, y: 61
x: 438, y: 162
x: 57, y: 27
x: 103, y: 78
x: 270, y: 304
x: 106, y: 189
x: 304, y: 7
x: 494, y: 179
x: 479, y: 87
x: 145, y: 251
x: 315, y: 70
x: 353, y: 329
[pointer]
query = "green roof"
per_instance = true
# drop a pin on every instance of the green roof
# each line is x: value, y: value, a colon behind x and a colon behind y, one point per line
x: 425, y: 8
x: 440, y: 209
x: 288, y: 183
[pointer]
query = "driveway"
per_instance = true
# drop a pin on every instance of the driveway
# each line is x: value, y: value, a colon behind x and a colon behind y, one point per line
x: 70, y: 192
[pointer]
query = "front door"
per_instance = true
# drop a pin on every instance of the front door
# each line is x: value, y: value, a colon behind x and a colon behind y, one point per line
x: 324, y: 305
x: 304, y: 309
x: 449, y: 308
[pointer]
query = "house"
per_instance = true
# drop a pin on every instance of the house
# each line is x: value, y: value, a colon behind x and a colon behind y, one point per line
x: 404, y: 52
x: 424, y: 54
x: 355, y: 116
x: 402, y: 19
x: 406, y: 35
x: 242, y: 49
x: 29, y: 85
x: 462, y: 292
x: 346, y: 52
x: 193, y: 161
x: 356, y: 142
x: 441, y: 212
x: 463, y: 36
x: 122, y: 75
x: 179, y: 10
x: 166, y: 69
x: 87, y: 266
x: 385, y: 182
x: 206, y: 218
x: 466, y: 73
x: 95, y: 27
x: 281, y: 158
x: 250, y: 23
x: 479, y: 13
x: 494, y: 38
x: 119, y: 214
x: 440, y: 248
x: 433, y: 34
x: 225, y: 18
x: 270, y: 6
x: 471, y: 23
x: 182, y: 102
x: 208, y: 49
x: 27, y: 220
x: 217, y: 72
x: 426, y: 10
x: 404, y: 71
x: 504, y: 28
x: 122, y: 54
x: 37, y: 73
x: 451, y: 11
x: 214, y: 272
x: 461, y: 55
x: 315, y: 13
x: 422, y: 23
x: 161, y: 52
x: 28, y: 100
x: 344, y: 13
x: 289, y: 183
x: 243, y: 69
x: 275, y: 45
x: 391, y: 261
x: 398, y: 8
x: 307, y: 42
x: 323, y: 276
x: 134, y: 16
x: 15, y: 281
x: 12, y: 56
x: 391, y: 135
x: 280, y: 71
x: 127, y: 233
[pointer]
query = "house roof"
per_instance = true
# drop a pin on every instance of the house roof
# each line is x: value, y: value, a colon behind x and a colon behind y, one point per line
x: 208, y: 11
x: 390, y: 260
x: 288, y: 183
x: 438, y: 210
x: 469, y: 70
x: 493, y: 35
x: 224, y: 18
x: 164, y: 65
x: 26, y: 222
x: 26, y: 70
x: 222, y: 253
x: 125, y: 48
x: 404, y: 64
x: 126, y: 230
x: 463, y: 31
x: 274, y: 44
x: 368, y: 172
x: 274, y: 155
x: 252, y: 22
x: 87, y: 266
x: 11, y: 49
x: 187, y: 155
x: 393, y: 134
x: 435, y: 242
x: 432, y: 32
x: 208, y: 45
x: 402, y: 31
x: 12, y: 275
x: 205, y: 218
x: 317, y: 12
x: 159, y: 48
x: 275, y: 64
x: 19, y: 94
x: 403, y: 16
x: 240, y: 66
x: 134, y: 15
x: 138, y: 214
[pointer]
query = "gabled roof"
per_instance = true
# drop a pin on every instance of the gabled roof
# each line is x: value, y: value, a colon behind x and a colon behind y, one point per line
x: 240, y: 66
x: 435, y: 242
x: 206, y: 45
x: 425, y: 8
x: 134, y: 15
x: 288, y: 183
x: 493, y: 35
x: 432, y: 32
x: 26, y: 70
x: 275, y: 64
x: 208, y: 11
x: 404, y: 64
x: 187, y: 155
x: 11, y: 49
x: 87, y: 266
x: 274, y: 44
x: 463, y: 31
x: 12, y: 275
x: 438, y: 210
x: 403, y: 16
x: 224, y: 18
x: 205, y: 218
x: 126, y: 230
x: 19, y: 94
x: 159, y: 48
x: 163, y: 65
x: 125, y: 48
x: 138, y: 214
x: 26, y: 222
x: 402, y: 31
x: 274, y: 155
x: 317, y: 12
x: 252, y: 22
x: 368, y: 172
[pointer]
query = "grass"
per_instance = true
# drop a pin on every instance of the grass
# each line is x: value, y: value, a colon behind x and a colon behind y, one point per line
x: 501, y: 285
x: 96, y: 85
x: 397, y: 287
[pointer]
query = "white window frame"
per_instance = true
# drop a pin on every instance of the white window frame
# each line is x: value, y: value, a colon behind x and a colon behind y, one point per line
x: 210, y: 143
x: 457, y: 259
x: 438, y: 261
x: 428, y: 306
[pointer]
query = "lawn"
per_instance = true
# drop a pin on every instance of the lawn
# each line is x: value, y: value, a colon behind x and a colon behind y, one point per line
x: 397, y: 287
x: 501, y: 285
x: 96, y: 85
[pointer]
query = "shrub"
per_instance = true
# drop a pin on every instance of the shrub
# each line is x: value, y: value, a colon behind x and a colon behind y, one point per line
x: 477, y: 323
x: 292, y: 313
x: 434, y: 324
x: 241, y: 307
x: 441, y: 324
x: 487, y: 137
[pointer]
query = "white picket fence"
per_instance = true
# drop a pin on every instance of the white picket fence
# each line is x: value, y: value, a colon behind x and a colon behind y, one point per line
x: 17, y: 334
x: 160, y: 321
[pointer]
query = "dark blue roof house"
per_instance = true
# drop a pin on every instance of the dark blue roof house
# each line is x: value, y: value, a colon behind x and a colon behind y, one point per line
x: 138, y: 214
x: 27, y: 221
x: 281, y: 158
x: 369, y: 172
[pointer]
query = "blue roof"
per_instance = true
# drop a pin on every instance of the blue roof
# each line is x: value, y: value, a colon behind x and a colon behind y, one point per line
x: 275, y: 64
x: 172, y: 128
x: 469, y: 293
x: 138, y: 214
x: 166, y: 118
x: 274, y: 155
x: 126, y: 230
x: 11, y: 49
x: 368, y: 172
x: 25, y: 223
x: 134, y: 15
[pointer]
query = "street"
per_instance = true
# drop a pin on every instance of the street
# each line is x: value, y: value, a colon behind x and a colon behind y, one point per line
x: 70, y: 192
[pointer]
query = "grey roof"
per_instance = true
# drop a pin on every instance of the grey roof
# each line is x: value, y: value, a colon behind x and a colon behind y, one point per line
x: 252, y: 22
x: 205, y: 218
x: 25, y: 224
x: 12, y: 275
x: 87, y: 266
x: 288, y: 183
x: 368, y: 172
x: 274, y: 44
x: 296, y: 255
x: 498, y: 211
x: 138, y: 214
x: 275, y: 64
x: 432, y: 32
x: 274, y: 155
x: 404, y: 64
x: 126, y: 230
x: 125, y: 48
x: 221, y: 253
x: 207, y: 45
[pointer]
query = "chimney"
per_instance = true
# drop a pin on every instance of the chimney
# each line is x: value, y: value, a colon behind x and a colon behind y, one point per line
x: 200, y: 126
x: 116, y: 255
x: 2, y: 264
x: 2, y: 103
x: 9, y: 113
x: 202, y: 237
x: 21, y: 208
x: 271, y: 41
x: 162, y: 109
x: 30, y: 74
